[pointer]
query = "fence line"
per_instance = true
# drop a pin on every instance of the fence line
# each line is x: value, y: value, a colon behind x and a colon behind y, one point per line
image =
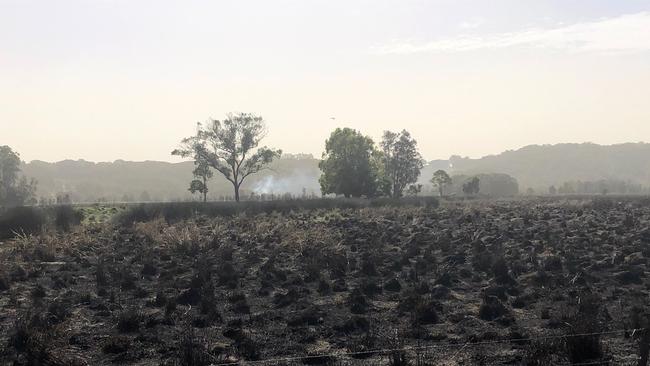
x: 421, y: 348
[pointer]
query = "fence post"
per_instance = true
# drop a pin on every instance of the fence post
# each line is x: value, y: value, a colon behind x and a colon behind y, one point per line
x: 644, y: 346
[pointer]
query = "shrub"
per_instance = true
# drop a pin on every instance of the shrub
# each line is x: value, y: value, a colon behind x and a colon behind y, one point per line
x: 5, y: 283
x: 32, y: 220
x: 500, y: 271
x: 192, y: 352
x: 117, y: 344
x: 393, y: 285
x: 248, y: 348
x: 21, y: 220
x: 553, y: 264
x: 129, y: 321
x: 357, y: 302
x: 425, y: 312
x: 543, y: 352
x: 491, y: 308
x: 58, y: 311
x: 65, y: 217
x: 23, y: 334
x: 584, y: 348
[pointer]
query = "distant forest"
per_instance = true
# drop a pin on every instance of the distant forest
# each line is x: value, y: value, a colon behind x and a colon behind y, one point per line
x: 538, y: 169
x: 570, y: 168
x: 127, y: 181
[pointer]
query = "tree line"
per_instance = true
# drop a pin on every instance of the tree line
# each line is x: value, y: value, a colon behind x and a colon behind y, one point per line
x: 352, y: 164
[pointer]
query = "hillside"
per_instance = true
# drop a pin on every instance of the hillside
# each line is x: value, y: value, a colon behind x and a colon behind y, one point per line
x: 535, y: 166
x: 161, y: 181
x: 539, y: 166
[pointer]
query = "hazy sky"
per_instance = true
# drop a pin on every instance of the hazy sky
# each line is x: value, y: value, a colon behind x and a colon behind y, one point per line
x: 127, y: 79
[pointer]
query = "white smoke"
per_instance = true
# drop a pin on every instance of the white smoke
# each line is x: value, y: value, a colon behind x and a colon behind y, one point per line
x: 294, y: 184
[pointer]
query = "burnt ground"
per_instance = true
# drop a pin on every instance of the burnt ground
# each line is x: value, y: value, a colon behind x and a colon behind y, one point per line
x: 510, y: 282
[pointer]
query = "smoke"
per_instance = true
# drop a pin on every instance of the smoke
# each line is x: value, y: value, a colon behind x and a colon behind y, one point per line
x: 293, y: 184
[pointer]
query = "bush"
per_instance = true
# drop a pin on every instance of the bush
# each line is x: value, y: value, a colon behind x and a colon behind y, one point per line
x: 357, y: 302
x: 192, y: 352
x: 582, y: 348
x: 5, y: 283
x: 129, y: 321
x: 117, y: 344
x: 32, y: 220
x: 425, y: 312
x: 65, y: 217
x: 491, y: 309
x: 58, y: 311
x: 21, y: 220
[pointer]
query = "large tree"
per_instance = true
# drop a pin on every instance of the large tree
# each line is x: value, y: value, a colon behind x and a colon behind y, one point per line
x: 472, y: 186
x: 441, y: 180
x: 402, y: 161
x: 230, y: 147
x: 15, y: 190
x: 349, y: 164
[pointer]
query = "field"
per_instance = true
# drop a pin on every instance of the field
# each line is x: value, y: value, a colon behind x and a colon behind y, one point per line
x: 517, y: 282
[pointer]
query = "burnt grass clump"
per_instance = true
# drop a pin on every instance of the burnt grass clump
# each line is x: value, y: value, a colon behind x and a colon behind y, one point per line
x: 540, y: 281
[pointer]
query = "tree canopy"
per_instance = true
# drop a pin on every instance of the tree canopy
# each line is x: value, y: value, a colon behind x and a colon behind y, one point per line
x: 402, y: 162
x: 349, y: 164
x: 441, y: 180
x: 472, y: 186
x: 15, y: 190
x: 230, y: 147
x: 193, y: 146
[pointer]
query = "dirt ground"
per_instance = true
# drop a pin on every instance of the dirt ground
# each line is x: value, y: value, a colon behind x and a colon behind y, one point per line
x: 520, y: 282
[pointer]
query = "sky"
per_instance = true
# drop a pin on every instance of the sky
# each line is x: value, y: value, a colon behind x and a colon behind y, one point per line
x: 102, y: 80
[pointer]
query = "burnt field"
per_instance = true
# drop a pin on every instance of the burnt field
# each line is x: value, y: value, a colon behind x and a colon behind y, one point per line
x: 522, y: 282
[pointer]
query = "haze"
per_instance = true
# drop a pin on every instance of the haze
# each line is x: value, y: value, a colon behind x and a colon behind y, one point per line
x: 106, y: 80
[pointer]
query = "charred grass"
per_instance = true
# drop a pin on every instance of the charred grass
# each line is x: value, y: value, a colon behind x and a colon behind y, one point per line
x: 517, y: 282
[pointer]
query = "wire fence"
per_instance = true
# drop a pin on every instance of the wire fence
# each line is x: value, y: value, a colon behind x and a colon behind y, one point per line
x: 348, y: 358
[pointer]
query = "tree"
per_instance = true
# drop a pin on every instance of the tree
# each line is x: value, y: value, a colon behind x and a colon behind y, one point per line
x: 552, y: 190
x: 349, y: 164
x: 402, y: 161
x: 200, y: 187
x: 15, y: 190
x: 64, y: 198
x: 472, y: 186
x: 441, y: 180
x: 230, y: 147
x: 203, y: 173
x: 145, y: 197
x: 195, y: 146
x: 414, y: 189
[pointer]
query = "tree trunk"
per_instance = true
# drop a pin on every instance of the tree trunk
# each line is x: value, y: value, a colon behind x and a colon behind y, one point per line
x: 236, y: 192
x: 440, y: 189
x: 205, y: 190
